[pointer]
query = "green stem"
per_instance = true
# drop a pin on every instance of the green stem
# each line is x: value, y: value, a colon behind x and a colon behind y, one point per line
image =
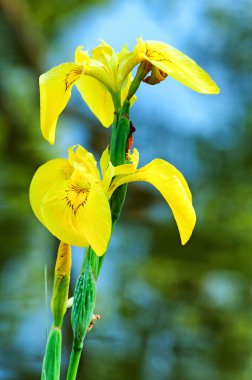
x: 85, y: 290
x: 74, y: 363
x: 77, y: 347
x: 142, y: 71
x: 116, y: 97
x: 120, y: 134
x: 118, y: 147
x: 82, y: 311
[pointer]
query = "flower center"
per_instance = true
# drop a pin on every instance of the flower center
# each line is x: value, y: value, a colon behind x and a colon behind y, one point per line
x: 76, y: 197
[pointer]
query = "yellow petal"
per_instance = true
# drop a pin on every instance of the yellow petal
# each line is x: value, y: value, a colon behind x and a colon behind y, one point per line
x: 125, y: 90
x: 78, y: 213
x: 104, y: 161
x: 67, y: 197
x: 81, y: 56
x: 173, y: 186
x: 55, y: 91
x: 107, y: 178
x: 83, y: 161
x: 59, y: 209
x: 97, y: 69
x: 124, y: 73
x: 98, y: 99
x: 127, y: 64
x: 101, y: 65
x: 105, y: 54
x: 124, y: 169
x: 178, y: 65
x: 134, y: 157
x: 97, y: 217
x: 109, y: 171
x: 46, y: 175
x: 123, y: 52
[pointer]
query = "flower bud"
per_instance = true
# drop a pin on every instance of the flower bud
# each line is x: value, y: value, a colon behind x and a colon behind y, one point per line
x: 61, y: 283
x: 83, y: 306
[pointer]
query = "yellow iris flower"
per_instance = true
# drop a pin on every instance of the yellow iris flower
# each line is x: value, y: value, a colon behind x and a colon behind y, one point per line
x: 71, y: 200
x: 165, y: 60
x: 99, y: 78
x: 103, y: 79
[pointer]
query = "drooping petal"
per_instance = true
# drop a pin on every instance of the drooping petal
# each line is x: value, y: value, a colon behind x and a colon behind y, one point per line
x: 55, y: 91
x: 46, y: 175
x: 177, y: 65
x: 78, y: 213
x: 98, y: 99
x: 97, y: 216
x: 173, y: 186
x: 59, y: 209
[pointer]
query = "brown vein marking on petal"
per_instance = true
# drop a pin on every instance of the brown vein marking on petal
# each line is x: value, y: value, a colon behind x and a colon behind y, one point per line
x: 76, y: 197
x: 72, y: 76
x: 157, y: 56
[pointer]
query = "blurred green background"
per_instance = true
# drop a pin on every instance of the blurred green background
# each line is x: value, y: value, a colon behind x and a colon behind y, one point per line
x: 168, y: 312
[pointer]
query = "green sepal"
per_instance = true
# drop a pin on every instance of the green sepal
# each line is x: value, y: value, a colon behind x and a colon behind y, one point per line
x: 84, y: 303
x: 117, y: 202
x: 52, y: 358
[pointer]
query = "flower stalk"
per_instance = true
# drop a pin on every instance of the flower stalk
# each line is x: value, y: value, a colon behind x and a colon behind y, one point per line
x: 85, y: 290
x: 118, y: 147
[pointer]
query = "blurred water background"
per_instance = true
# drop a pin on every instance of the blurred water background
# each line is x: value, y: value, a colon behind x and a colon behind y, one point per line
x: 168, y: 312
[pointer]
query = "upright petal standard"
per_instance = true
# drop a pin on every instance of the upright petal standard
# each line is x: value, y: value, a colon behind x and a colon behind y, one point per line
x: 97, y: 78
